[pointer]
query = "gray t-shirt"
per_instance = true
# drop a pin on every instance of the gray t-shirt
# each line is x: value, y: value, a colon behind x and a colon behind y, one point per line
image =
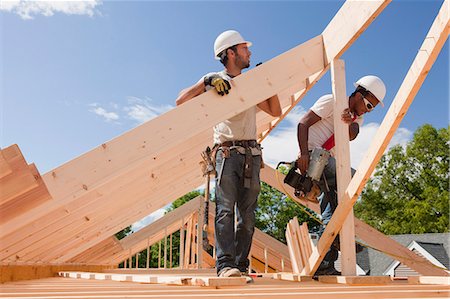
x: 238, y: 127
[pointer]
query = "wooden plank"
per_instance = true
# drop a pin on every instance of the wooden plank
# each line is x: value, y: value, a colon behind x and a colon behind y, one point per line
x: 443, y: 280
x: 294, y: 250
x: 291, y: 277
x: 5, y: 169
x: 343, y: 172
x: 20, y: 180
x: 416, y: 75
x: 302, y: 251
x: 357, y: 280
x: 12, y: 272
x: 364, y: 231
x: 26, y: 201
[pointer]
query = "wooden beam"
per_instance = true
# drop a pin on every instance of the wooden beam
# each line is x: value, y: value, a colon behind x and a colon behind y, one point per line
x: 420, y: 67
x: 443, y: 280
x: 357, y: 280
x: 5, y: 169
x: 20, y: 180
x: 343, y: 167
x: 26, y: 201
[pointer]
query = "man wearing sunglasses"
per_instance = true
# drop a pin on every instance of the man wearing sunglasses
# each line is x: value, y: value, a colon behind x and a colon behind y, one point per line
x: 316, y: 130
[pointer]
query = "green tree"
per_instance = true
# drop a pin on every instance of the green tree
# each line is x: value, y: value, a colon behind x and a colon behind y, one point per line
x: 409, y: 192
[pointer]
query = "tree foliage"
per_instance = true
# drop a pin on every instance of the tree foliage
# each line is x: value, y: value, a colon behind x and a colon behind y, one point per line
x: 409, y: 192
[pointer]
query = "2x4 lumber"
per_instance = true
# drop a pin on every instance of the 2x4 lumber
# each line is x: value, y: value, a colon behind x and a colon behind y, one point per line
x: 303, y: 240
x: 294, y: 249
x: 5, y: 169
x: 108, y: 247
x: 357, y: 280
x: 368, y: 234
x: 10, y: 273
x: 26, y: 201
x: 444, y: 280
x: 200, y: 218
x: 417, y: 73
x: 343, y: 172
x: 20, y: 180
x: 291, y: 277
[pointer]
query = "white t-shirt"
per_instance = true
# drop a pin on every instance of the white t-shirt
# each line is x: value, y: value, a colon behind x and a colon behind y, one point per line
x: 319, y: 133
x: 238, y: 127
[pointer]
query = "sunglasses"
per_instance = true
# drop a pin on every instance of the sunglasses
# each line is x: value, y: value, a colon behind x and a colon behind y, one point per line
x: 368, y: 104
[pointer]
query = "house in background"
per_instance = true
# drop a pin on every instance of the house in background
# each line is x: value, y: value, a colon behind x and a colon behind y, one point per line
x: 435, y: 247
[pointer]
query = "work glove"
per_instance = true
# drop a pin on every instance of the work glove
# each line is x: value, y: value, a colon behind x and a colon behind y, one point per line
x: 221, y: 85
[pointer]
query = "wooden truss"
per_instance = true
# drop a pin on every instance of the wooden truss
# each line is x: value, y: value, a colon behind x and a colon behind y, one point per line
x: 71, y: 213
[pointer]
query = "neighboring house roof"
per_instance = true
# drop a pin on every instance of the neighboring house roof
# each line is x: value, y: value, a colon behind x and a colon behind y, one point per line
x: 436, y: 244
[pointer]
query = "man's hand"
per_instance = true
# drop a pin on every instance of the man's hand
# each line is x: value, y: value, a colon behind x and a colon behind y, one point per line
x: 347, y: 116
x: 221, y: 85
x: 303, y: 163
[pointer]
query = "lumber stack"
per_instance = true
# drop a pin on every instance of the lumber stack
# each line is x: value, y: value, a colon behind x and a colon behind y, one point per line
x: 21, y: 185
x: 300, y: 245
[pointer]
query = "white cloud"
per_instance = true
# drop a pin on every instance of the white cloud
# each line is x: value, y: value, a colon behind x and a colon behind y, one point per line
x: 142, y: 110
x: 148, y: 219
x: 27, y: 9
x: 367, y: 133
x: 108, y: 116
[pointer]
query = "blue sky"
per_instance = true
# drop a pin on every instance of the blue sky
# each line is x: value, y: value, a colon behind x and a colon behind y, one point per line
x: 75, y: 74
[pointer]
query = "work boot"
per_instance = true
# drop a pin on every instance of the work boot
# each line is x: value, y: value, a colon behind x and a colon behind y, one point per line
x: 229, y: 272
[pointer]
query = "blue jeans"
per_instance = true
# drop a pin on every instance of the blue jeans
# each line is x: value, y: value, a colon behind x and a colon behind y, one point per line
x: 233, y: 245
x: 328, y: 202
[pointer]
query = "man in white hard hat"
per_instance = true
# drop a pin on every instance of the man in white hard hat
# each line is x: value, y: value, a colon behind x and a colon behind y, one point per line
x: 316, y: 130
x: 238, y: 158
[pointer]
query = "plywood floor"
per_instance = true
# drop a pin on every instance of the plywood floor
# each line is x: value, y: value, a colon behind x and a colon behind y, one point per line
x: 61, y: 287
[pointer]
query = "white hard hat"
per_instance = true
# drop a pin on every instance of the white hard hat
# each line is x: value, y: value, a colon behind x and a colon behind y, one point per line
x: 373, y: 84
x: 228, y: 39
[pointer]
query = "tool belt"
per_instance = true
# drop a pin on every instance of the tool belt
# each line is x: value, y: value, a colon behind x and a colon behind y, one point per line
x: 248, y: 164
x: 242, y: 143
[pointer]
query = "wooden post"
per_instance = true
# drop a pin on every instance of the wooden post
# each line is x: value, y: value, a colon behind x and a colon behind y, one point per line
x: 181, y: 257
x: 147, y: 265
x: 165, y: 248
x: 137, y: 260
x: 266, y: 266
x: 201, y: 213
x: 343, y: 172
x: 130, y: 262
x: 170, y: 251
x: 159, y: 254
